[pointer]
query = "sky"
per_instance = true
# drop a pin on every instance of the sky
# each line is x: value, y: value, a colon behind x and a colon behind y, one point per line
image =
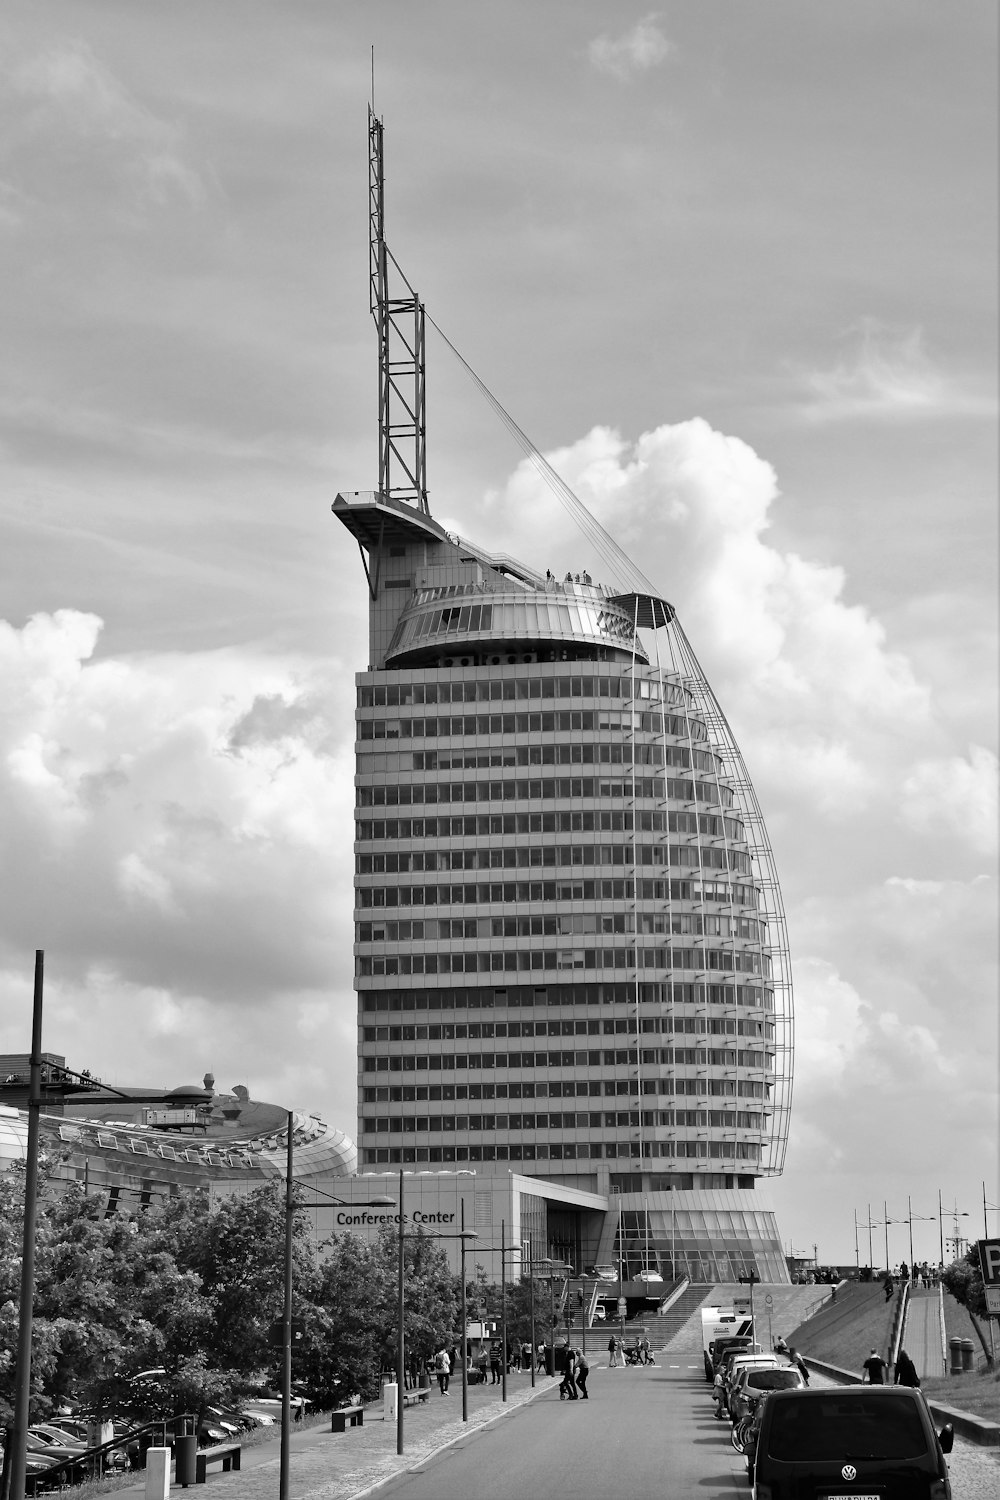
x: 733, y: 268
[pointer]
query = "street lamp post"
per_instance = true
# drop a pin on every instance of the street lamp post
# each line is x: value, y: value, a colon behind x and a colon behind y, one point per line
x: 526, y: 1244
x: 400, y: 1340
x: 503, y: 1307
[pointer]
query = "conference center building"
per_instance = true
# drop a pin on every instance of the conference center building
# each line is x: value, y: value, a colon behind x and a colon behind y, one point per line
x: 573, y: 984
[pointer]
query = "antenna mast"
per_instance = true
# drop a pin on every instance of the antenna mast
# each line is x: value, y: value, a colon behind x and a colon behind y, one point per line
x: 402, y: 411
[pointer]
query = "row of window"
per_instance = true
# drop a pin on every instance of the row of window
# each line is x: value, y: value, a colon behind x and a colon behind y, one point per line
x: 565, y: 1151
x: 533, y: 891
x: 710, y: 1057
x: 567, y: 721
x: 568, y: 1088
x: 545, y: 789
x: 560, y: 924
x: 531, y: 617
x: 370, y: 965
x: 577, y: 820
x: 581, y: 856
x: 447, y: 1031
x: 527, y: 997
x: 592, y: 1120
x: 538, y: 685
x: 575, y: 754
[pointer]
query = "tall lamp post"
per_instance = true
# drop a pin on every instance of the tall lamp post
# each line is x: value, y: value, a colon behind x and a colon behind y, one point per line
x: 526, y: 1250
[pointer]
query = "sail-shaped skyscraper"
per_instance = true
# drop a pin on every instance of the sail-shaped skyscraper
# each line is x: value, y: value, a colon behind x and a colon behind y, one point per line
x: 570, y: 958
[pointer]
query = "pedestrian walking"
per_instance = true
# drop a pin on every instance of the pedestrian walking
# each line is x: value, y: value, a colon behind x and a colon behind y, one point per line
x: 612, y: 1353
x: 647, y: 1353
x: 496, y: 1362
x: 582, y: 1371
x: 442, y: 1369
x: 873, y: 1370
x: 906, y: 1371
x: 795, y: 1358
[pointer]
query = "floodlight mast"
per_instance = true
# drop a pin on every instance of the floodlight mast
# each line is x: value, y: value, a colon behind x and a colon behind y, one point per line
x: 399, y: 321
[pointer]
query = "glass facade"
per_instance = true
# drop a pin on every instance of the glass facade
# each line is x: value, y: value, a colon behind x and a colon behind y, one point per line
x: 570, y: 950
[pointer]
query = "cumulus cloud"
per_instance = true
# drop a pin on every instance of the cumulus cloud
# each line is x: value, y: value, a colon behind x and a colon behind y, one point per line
x: 636, y: 51
x: 889, y: 375
x: 171, y: 818
x: 957, y: 796
x: 820, y: 700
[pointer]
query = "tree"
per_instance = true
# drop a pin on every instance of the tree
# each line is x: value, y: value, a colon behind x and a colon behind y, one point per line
x: 964, y: 1280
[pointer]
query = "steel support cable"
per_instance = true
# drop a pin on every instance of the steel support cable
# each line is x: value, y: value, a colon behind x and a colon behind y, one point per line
x: 623, y: 571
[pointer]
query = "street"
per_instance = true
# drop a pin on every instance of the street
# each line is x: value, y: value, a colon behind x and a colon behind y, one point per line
x: 645, y: 1434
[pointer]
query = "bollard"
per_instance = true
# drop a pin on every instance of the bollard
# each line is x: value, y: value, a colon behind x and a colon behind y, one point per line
x: 968, y: 1354
x: 955, y: 1348
x: 390, y: 1396
x: 157, y: 1474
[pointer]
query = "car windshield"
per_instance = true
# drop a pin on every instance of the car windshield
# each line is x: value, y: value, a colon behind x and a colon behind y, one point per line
x: 833, y: 1427
x: 774, y: 1380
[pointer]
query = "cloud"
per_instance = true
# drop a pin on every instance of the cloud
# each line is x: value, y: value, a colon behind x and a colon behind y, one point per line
x: 956, y: 796
x: 65, y: 109
x: 635, y: 51
x: 889, y: 376
x: 824, y: 708
x: 157, y: 823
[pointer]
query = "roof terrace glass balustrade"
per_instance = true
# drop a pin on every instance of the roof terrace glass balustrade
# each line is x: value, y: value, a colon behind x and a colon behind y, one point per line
x: 487, y: 623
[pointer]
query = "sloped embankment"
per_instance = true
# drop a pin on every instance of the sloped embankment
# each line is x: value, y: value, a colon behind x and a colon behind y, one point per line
x: 842, y: 1332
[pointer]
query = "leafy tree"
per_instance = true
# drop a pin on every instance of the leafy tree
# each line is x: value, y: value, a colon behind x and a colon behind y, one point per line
x: 964, y: 1280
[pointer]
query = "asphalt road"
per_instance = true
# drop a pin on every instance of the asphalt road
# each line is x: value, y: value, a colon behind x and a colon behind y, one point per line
x: 645, y: 1434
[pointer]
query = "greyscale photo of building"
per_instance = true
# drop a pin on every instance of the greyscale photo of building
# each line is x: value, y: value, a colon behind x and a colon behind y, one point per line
x: 571, y: 961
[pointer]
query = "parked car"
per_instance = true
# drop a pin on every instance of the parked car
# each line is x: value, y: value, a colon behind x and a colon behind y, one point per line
x: 603, y: 1273
x: 719, y: 1347
x: 750, y: 1384
x: 57, y: 1435
x: 649, y: 1276
x: 851, y: 1441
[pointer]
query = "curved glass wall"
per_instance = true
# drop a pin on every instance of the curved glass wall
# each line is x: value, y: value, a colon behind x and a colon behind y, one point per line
x: 473, y: 620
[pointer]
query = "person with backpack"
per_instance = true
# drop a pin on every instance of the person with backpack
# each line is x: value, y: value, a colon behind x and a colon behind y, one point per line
x: 582, y: 1371
x: 442, y: 1369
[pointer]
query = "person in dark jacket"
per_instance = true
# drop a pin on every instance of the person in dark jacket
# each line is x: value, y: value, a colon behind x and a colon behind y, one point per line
x: 906, y: 1370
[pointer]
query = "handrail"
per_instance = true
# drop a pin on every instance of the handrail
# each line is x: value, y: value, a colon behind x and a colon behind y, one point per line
x: 899, y: 1323
x: 87, y: 1455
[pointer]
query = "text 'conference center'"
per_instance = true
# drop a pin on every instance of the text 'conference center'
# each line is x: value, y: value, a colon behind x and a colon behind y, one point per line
x: 570, y: 956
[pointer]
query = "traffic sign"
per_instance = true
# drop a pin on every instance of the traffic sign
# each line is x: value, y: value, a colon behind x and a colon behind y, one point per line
x: 768, y: 1300
x: 989, y: 1262
x: 622, y: 1307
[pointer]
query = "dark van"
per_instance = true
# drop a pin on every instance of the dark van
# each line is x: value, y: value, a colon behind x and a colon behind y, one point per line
x: 850, y: 1443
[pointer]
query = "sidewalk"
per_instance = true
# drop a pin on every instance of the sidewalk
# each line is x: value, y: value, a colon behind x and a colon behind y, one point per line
x: 343, y: 1466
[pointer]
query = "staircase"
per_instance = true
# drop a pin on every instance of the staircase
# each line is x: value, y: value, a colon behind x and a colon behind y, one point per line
x: 685, y: 1315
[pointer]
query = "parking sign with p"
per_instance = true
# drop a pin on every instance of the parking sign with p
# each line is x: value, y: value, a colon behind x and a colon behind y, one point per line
x: 989, y: 1262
